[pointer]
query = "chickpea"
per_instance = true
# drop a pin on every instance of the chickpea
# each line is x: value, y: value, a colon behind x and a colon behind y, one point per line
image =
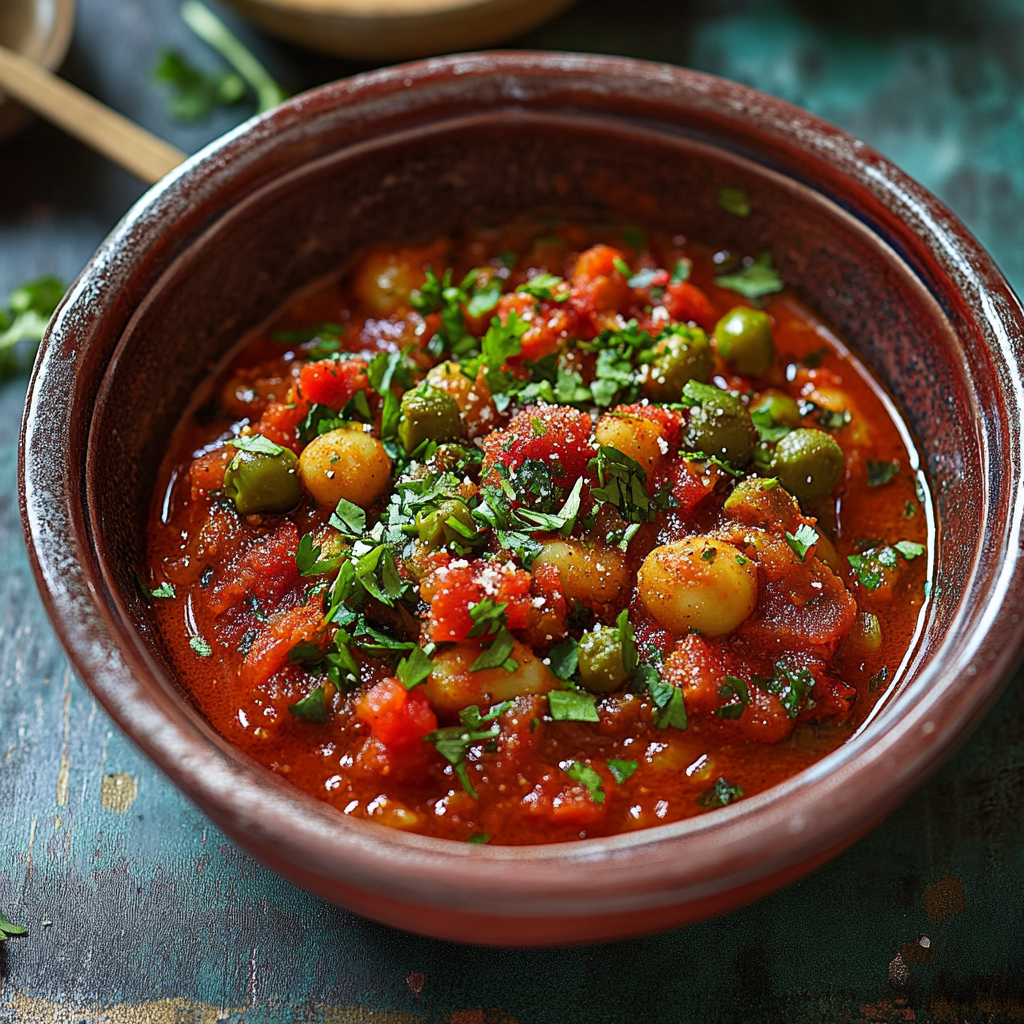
x: 592, y: 575
x: 345, y: 463
x: 473, y: 397
x: 699, y: 583
x: 452, y: 686
x: 634, y: 436
x: 386, y: 279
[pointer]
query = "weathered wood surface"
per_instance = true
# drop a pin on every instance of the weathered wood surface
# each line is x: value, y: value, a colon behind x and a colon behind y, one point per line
x: 140, y: 910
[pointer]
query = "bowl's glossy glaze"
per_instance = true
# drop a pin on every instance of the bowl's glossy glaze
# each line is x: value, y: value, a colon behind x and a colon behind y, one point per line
x: 409, y: 151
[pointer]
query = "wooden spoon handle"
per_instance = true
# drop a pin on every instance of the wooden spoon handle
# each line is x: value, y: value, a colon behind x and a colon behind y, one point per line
x: 117, y: 138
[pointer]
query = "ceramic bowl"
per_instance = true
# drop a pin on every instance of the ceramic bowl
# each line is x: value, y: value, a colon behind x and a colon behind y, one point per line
x: 37, y: 29
x: 388, y: 30
x: 408, y: 152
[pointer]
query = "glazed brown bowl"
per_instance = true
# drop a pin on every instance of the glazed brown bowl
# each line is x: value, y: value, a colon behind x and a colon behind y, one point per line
x: 410, y: 152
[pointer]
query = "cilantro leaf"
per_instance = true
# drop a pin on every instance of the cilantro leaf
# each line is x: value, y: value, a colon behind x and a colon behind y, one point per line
x: 572, y: 706
x: 737, y: 692
x: 563, y: 658
x: 756, y: 279
x: 31, y: 306
x: 312, y: 708
x: 733, y: 200
x: 681, y: 271
x: 621, y: 770
x: 909, y: 550
x: 165, y: 590
x: 803, y: 540
x: 561, y: 522
x: 541, y: 286
x: 497, y: 654
x: 454, y: 741
x: 348, y: 519
x: 768, y: 428
x: 668, y: 701
x: 195, y: 92
x: 479, y: 838
x: 415, y: 668
x: 488, y: 617
x: 586, y: 776
x: 721, y: 794
x: 484, y: 299
x: 791, y: 683
x: 200, y: 646
x: 622, y: 267
x: 627, y: 640
x: 255, y: 443
x: 621, y: 483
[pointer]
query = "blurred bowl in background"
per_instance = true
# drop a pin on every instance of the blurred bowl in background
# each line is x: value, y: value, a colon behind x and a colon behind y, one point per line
x: 37, y: 29
x: 386, y: 30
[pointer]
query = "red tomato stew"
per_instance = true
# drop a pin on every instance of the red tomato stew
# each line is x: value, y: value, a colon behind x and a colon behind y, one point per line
x: 539, y: 533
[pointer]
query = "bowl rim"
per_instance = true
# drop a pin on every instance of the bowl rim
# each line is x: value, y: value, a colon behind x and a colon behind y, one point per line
x: 803, y: 817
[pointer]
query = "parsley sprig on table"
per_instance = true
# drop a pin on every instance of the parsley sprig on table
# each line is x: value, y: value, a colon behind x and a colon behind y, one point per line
x: 8, y: 929
x: 22, y: 324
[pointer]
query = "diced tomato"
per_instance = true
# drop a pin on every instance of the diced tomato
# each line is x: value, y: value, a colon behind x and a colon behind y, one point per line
x: 453, y: 589
x: 687, y: 302
x: 556, y: 435
x: 692, y: 483
x: 598, y: 286
x: 207, y: 472
x: 670, y: 420
x: 284, y: 631
x: 333, y: 382
x: 265, y: 571
x: 399, y: 718
x: 280, y: 421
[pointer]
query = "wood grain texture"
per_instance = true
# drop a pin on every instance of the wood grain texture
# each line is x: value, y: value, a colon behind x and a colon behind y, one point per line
x: 155, y: 916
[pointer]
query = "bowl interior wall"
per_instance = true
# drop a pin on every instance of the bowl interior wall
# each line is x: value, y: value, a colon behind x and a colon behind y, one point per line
x: 403, y: 188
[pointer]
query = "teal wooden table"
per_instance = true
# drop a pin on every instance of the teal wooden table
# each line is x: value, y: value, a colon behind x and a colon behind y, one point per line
x: 139, y: 910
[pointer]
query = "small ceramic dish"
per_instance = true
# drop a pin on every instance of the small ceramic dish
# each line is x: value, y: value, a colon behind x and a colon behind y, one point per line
x: 388, y: 30
x: 37, y: 29
x: 409, y: 152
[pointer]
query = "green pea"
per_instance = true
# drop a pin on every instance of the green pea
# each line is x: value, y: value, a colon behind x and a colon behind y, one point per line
x: 428, y: 414
x: 600, y: 660
x: 256, y: 482
x: 719, y: 425
x: 779, y: 406
x: 808, y: 463
x: 678, y: 358
x: 743, y: 338
x: 441, y: 526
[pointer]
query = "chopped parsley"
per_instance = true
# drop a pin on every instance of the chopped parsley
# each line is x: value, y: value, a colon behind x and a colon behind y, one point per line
x: 622, y: 483
x: 563, y: 659
x: 165, y: 590
x: 621, y: 770
x: 721, y: 794
x: 737, y: 693
x: 791, y: 683
x: 542, y: 286
x: 572, y: 706
x: 803, y: 540
x: 255, y: 443
x: 880, y: 473
x: 756, y: 279
x: 561, y: 522
x: 668, y: 702
x: 453, y: 742
x: 497, y: 655
x: 478, y: 838
x: 488, y: 617
x: 586, y: 776
x: 200, y: 646
x: 909, y: 550
x: 733, y: 200
x: 348, y: 519
x: 415, y: 668
x: 195, y: 92
x: 312, y: 708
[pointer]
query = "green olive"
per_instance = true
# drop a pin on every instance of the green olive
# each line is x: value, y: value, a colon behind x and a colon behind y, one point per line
x: 758, y: 502
x: 743, y: 338
x: 428, y: 414
x: 678, y: 358
x: 436, y: 528
x: 600, y: 660
x: 719, y: 425
x: 808, y: 463
x: 779, y: 406
x: 256, y: 482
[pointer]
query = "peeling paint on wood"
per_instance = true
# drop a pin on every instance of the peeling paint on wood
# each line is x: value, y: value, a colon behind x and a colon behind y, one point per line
x: 118, y: 792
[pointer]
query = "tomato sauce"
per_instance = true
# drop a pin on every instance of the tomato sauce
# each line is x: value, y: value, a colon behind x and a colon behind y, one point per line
x: 539, y: 533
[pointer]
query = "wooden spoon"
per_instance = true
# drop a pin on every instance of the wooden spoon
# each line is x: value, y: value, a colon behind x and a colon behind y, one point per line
x: 120, y: 140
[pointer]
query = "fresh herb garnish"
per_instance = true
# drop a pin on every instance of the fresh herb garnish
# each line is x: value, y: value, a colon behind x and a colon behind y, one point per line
x: 479, y: 838
x: 488, y: 617
x: 415, y: 668
x: 879, y: 679
x: 542, y: 286
x: 30, y: 307
x: 165, y: 590
x: 721, y: 794
x: 200, y: 646
x: 622, y: 484
x: 561, y: 522
x: 348, y: 519
x: 572, y: 706
x: 733, y: 200
x: 670, y: 710
x: 586, y: 776
x: 257, y: 444
x: 803, y: 540
x: 497, y: 655
x: 215, y: 33
x: 622, y: 267
x: 312, y: 708
x: 195, y: 92
x: 454, y: 741
x: 737, y: 693
x: 791, y: 683
x: 621, y: 770
x: 755, y: 279
x: 563, y: 659
x: 909, y: 550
